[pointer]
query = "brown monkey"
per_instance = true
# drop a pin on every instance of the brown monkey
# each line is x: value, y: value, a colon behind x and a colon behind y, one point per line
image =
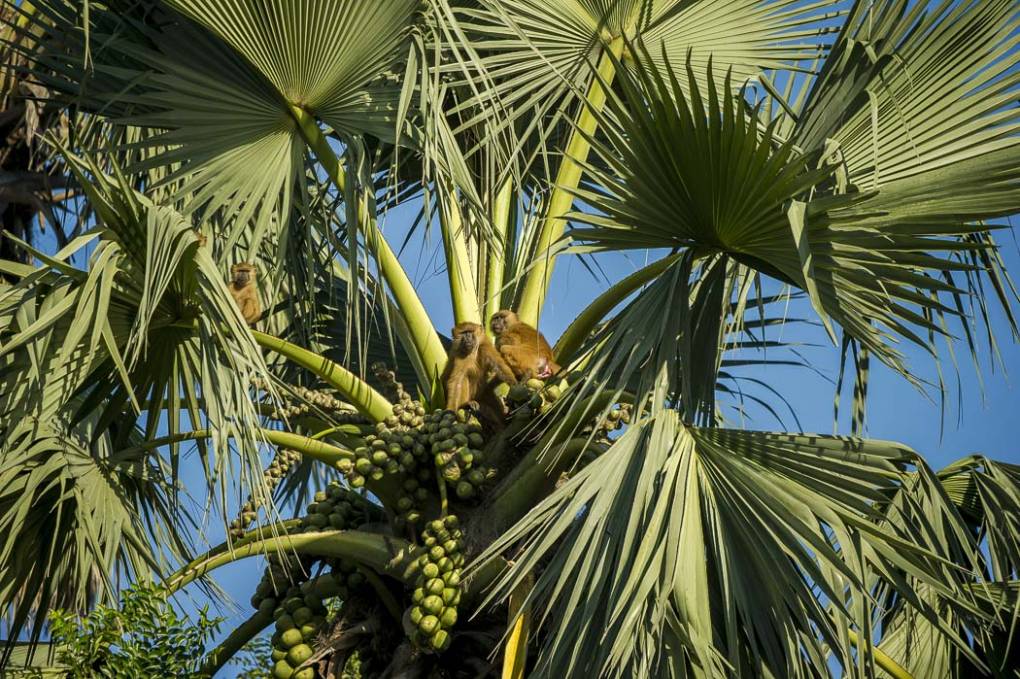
x: 466, y: 376
x: 245, y: 292
x: 525, y: 349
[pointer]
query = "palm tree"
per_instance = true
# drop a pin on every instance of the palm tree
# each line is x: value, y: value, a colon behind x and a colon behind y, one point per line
x: 851, y: 153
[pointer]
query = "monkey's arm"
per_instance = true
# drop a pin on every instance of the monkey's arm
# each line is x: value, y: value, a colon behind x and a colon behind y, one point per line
x: 251, y: 309
x: 495, y: 361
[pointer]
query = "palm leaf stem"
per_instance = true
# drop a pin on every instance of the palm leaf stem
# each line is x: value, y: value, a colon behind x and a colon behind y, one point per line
x: 366, y: 399
x: 383, y: 553
x: 226, y: 650
x: 458, y: 263
x: 894, y: 669
x: 423, y: 334
x: 498, y: 255
x: 568, y: 178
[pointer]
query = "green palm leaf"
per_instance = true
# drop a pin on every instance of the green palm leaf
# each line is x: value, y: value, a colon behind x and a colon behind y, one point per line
x: 706, y: 175
x: 728, y: 544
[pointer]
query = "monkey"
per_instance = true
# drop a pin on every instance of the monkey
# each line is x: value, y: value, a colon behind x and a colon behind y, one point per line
x: 245, y: 292
x: 523, y: 347
x: 466, y: 376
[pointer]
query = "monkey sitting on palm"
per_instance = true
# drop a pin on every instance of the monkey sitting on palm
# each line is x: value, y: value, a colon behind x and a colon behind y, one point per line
x: 244, y: 290
x: 523, y: 347
x: 466, y: 376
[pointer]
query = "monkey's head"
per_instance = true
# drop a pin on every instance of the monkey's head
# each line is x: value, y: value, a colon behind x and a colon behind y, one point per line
x: 502, y: 321
x: 466, y: 337
x: 242, y: 273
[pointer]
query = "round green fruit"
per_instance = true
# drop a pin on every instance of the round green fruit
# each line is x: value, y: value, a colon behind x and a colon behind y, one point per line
x: 416, y: 614
x: 304, y: 673
x: 440, y: 640
x: 309, y: 631
x: 433, y: 604
x: 465, y: 490
x: 429, y: 624
x: 299, y: 654
x: 430, y: 571
x: 293, y: 603
x: 282, y: 670
x: 278, y: 654
x: 449, y: 617
x: 291, y: 638
x: 435, y: 586
x: 284, y: 623
x: 302, y: 615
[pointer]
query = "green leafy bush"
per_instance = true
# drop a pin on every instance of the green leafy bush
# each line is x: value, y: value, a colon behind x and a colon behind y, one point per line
x: 145, y: 637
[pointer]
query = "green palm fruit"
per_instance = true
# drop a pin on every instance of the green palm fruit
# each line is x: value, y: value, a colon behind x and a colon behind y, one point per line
x: 465, y: 490
x: 302, y: 615
x: 304, y: 673
x: 451, y: 596
x: 476, y: 477
x: 290, y: 638
x: 440, y: 640
x: 448, y: 618
x: 416, y: 614
x: 282, y: 670
x: 363, y: 465
x: 433, y: 604
x: 436, y: 553
x: 284, y: 623
x: 429, y: 624
x: 435, y: 586
x: 430, y: 571
x: 309, y: 631
x: 299, y: 654
x: 452, y: 579
x: 278, y: 654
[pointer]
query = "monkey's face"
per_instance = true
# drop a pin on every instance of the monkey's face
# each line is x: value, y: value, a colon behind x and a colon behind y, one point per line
x: 501, y: 321
x: 465, y: 338
x: 242, y: 274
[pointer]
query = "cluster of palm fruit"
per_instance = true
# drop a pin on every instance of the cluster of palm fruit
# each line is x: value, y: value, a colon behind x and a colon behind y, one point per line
x: 302, y: 615
x: 283, y: 461
x: 437, y: 592
x: 617, y: 416
x: 527, y: 399
x: 307, y: 401
x: 336, y: 508
x: 454, y: 441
